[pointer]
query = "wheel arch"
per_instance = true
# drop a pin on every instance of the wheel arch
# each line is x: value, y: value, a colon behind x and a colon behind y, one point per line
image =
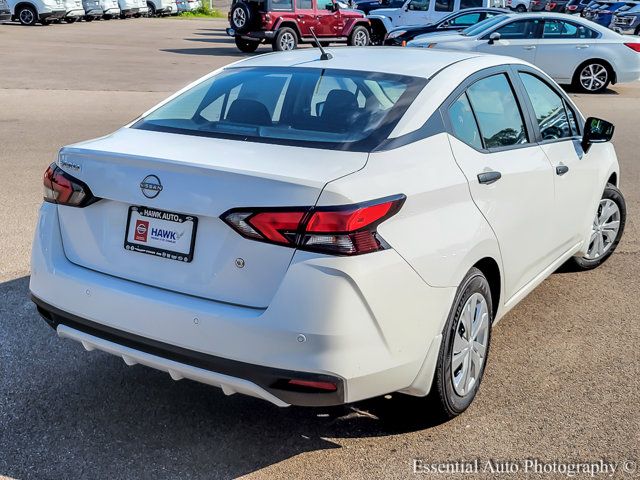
x: 291, y: 25
x: 358, y: 22
x: 607, y: 64
x: 23, y: 4
x: 491, y: 270
x: 613, y: 179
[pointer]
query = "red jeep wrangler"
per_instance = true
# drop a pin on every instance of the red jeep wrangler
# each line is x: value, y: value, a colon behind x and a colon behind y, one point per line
x: 285, y: 23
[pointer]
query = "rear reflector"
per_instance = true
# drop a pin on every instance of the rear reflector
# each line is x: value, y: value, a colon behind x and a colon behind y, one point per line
x: 326, y: 386
x: 340, y: 230
x: 64, y: 189
x: 634, y: 46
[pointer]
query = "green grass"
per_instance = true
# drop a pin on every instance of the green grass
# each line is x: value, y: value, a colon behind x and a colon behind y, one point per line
x: 203, y: 12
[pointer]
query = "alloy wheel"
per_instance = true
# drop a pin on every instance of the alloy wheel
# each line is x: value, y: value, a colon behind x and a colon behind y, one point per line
x: 604, y: 230
x: 360, y: 39
x: 470, y: 344
x: 26, y: 16
x: 239, y: 18
x: 287, y: 42
x: 593, y: 76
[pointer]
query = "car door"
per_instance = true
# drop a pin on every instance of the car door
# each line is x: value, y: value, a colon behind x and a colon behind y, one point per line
x: 442, y: 8
x: 518, y: 38
x: 564, y: 45
x: 416, y: 12
x: 329, y: 19
x: 510, y: 179
x: 558, y: 131
x: 306, y: 17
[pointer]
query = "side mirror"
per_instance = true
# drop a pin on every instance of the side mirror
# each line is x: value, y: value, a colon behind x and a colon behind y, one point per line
x: 596, y: 131
x: 332, y: 7
x: 444, y: 25
x: 493, y: 38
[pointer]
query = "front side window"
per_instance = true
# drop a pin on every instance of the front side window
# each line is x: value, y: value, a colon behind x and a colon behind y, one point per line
x: 463, y: 122
x: 282, y: 4
x: 304, y: 4
x: 519, y: 30
x: 484, y: 25
x: 558, y: 29
x: 549, y: 108
x: 466, y: 19
x: 325, y: 4
x: 444, y: 5
x: 419, y: 5
x: 470, y: 4
x: 339, y: 109
x: 497, y: 111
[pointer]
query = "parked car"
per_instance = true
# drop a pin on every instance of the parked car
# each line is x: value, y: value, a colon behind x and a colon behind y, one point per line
x: 263, y: 231
x: 128, y: 8
x: 453, y: 22
x: 569, y: 49
x: 188, y: 5
x: 111, y: 9
x: 575, y: 7
x: 74, y: 11
x: 367, y: 5
x: 558, y: 6
x: 538, y: 5
x: 519, y: 6
x: 589, y: 11
x: 93, y: 10
x: 604, y: 15
x: 284, y: 24
x: 143, y: 9
x: 422, y: 12
x: 5, y: 11
x: 162, y: 7
x: 30, y: 12
x: 628, y: 21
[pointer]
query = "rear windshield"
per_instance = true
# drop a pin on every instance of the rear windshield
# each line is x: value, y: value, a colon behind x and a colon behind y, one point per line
x: 324, y: 108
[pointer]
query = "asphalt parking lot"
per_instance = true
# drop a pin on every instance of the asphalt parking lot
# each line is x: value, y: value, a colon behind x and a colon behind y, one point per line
x: 562, y: 381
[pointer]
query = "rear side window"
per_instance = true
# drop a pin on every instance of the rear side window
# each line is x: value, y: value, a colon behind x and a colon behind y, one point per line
x: 304, y: 4
x: 499, y: 117
x: 282, y: 4
x: 470, y: 4
x: 557, y: 29
x: 548, y: 106
x: 463, y: 122
x: 325, y: 108
x: 419, y: 5
x: 466, y: 20
x: 444, y: 5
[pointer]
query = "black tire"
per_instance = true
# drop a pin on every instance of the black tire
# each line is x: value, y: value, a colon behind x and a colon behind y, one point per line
x: 241, y: 17
x: 246, y: 46
x: 445, y: 402
x: 285, y: 40
x: 637, y: 32
x: 107, y: 17
x: 521, y: 8
x: 603, y: 81
x: 27, y: 16
x: 359, y: 37
x: 71, y: 19
x: 152, y: 9
x: 611, y: 192
x: 88, y: 19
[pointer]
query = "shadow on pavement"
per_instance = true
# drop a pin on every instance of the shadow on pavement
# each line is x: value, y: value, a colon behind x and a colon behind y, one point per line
x: 67, y: 413
x: 207, y: 51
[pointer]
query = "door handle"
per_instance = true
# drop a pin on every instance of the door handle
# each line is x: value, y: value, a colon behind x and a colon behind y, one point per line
x: 529, y: 47
x: 300, y: 16
x: 561, y: 170
x: 582, y: 46
x: 487, y: 178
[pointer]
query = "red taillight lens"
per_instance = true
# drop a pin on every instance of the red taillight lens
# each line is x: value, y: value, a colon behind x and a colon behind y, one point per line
x: 327, y: 386
x: 342, y: 230
x: 63, y: 189
x: 634, y: 46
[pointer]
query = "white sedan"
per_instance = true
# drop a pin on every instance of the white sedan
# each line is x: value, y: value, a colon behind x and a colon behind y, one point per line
x: 320, y: 230
x: 571, y: 50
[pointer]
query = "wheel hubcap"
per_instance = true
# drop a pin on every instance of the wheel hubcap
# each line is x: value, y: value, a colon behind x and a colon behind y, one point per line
x: 287, y: 41
x: 26, y: 16
x: 239, y: 17
x: 604, y: 230
x: 470, y: 344
x: 593, y: 76
x: 360, y: 39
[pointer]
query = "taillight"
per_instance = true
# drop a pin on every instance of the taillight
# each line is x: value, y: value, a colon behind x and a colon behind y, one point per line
x: 340, y: 230
x: 572, y: 7
x: 64, y: 189
x: 634, y: 46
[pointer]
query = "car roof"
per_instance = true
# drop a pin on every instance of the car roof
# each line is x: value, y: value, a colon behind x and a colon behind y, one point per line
x: 415, y: 62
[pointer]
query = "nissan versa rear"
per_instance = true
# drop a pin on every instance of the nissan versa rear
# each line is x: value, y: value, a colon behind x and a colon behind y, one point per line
x: 315, y: 230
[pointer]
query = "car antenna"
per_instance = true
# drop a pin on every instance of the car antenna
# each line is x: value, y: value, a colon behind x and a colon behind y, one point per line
x: 325, y: 55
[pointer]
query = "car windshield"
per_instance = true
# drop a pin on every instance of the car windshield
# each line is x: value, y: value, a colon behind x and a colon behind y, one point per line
x: 324, y: 108
x: 478, y: 28
x: 635, y: 9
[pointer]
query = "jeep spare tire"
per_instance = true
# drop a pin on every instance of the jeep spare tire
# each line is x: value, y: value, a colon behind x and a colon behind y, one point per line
x: 241, y: 17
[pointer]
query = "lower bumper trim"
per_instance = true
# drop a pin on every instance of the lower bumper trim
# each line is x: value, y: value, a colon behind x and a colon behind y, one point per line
x: 230, y: 375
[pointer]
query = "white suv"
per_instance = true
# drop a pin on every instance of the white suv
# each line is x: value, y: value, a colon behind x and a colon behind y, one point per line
x: 320, y: 230
x: 162, y: 7
x: 30, y: 12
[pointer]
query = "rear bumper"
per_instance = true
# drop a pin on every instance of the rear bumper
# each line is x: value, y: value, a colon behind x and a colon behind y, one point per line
x: 258, y: 35
x: 112, y: 11
x: 53, y: 15
x: 75, y: 13
x: 96, y: 12
x: 370, y: 324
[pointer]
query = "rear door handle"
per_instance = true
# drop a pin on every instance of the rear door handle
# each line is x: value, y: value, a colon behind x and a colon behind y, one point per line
x: 561, y: 170
x: 530, y: 47
x: 582, y: 46
x: 487, y: 178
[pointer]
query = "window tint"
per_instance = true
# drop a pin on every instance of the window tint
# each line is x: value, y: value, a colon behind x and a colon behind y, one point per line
x: 482, y: 26
x: 518, y: 30
x: 466, y: 19
x: 444, y: 5
x: 548, y: 107
x: 324, y: 4
x: 327, y: 108
x: 304, y: 4
x: 463, y: 123
x: 497, y: 111
x: 470, y: 4
x: 554, y: 29
x: 419, y: 5
x: 282, y: 4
